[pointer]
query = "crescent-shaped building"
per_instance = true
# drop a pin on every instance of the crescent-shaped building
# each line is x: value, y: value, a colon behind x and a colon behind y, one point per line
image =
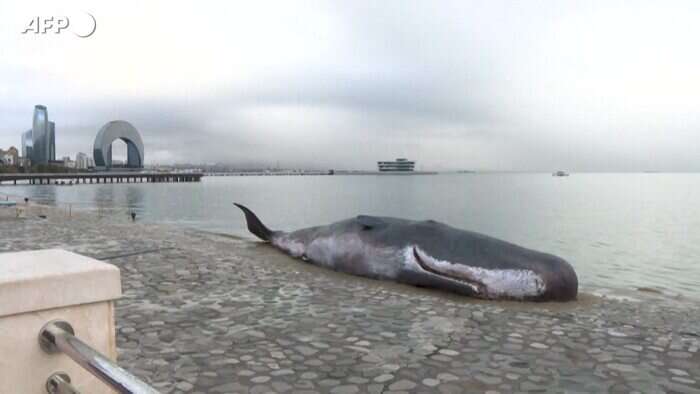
x: 123, y: 130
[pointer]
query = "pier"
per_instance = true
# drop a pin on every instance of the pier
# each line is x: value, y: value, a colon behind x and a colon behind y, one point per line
x: 271, y: 173
x: 100, y: 177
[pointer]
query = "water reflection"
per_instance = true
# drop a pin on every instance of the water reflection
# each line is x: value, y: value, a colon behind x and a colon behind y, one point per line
x: 103, y: 197
x: 135, y: 198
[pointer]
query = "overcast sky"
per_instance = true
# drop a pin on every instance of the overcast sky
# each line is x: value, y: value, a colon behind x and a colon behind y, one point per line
x: 499, y: 85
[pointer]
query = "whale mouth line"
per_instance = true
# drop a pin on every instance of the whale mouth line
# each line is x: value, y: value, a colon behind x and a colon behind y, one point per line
x: 474, y: 284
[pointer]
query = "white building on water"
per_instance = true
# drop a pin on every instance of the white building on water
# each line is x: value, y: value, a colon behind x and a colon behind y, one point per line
x: 400, y: 165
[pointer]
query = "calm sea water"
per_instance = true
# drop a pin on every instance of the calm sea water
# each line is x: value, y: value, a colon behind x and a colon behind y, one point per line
x: 620, y: 231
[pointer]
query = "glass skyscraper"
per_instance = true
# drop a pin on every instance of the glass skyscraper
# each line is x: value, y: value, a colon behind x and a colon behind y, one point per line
x: 39, y: 143
x: 40, y: 135
x: 52, y: 141
x: 27, y: 144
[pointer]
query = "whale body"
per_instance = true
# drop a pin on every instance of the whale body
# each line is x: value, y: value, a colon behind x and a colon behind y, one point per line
x: 427, y: 254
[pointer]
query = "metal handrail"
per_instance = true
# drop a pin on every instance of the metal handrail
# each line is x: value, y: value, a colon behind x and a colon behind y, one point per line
x: 58, y: 336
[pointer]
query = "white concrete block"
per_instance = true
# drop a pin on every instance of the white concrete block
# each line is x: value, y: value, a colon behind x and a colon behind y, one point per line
x: 52, y: 278
x: 39, y: 286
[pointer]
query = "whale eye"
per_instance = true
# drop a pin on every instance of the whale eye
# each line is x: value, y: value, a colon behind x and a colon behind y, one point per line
x: 370, y: 222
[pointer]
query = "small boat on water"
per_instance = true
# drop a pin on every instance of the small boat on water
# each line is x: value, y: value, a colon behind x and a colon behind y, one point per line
x: 560, y: 173
x: 7, y: 203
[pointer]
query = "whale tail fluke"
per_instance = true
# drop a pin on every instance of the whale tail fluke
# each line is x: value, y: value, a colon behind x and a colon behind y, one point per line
x: 255, y: 226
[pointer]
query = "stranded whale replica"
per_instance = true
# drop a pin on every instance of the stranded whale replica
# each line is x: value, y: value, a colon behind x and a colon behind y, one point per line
x: 427, y: 254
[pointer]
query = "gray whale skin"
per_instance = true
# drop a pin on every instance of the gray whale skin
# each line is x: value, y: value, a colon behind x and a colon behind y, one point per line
x: 427, y: 254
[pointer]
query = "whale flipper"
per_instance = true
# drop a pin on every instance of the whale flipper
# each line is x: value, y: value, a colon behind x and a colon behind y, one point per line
x: 255, y: 226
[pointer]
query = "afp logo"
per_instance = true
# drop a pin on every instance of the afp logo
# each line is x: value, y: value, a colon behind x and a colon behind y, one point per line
x: 85, y: 26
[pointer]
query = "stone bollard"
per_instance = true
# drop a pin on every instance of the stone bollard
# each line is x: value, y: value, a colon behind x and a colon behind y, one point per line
x: 37, y: 287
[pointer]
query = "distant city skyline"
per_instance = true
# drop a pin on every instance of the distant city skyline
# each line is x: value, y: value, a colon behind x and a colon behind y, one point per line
x: 483, y: 85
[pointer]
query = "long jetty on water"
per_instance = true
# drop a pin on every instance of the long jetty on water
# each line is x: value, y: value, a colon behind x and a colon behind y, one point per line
x: 100, y: 177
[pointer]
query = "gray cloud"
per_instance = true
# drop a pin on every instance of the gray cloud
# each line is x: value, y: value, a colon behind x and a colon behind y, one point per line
x: 499, y: 85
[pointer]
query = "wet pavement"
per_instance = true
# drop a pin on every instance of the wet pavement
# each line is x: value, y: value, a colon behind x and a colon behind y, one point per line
x: 204, y: 312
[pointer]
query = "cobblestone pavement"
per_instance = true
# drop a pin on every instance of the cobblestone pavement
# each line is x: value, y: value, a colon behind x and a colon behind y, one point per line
x: 209, y: 313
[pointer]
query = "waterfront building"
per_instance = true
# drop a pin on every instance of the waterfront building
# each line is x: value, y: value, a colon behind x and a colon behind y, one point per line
x: 52, y: 141
x: 39, y: 143
x: 5, y: 159
x: 24, y: 162
x: 400, y: 165
x: 81, y: 161
x: 125, y: 131
x: 27, y: 146
x: 66, y: 162
x: 9, y: 157
x: 40, y: 135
